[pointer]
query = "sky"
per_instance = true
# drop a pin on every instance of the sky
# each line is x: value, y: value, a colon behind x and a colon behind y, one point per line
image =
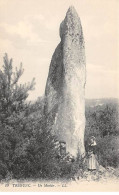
x: 29, y: 33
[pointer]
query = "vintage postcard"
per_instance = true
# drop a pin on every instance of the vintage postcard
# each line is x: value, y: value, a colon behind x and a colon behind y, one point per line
x: 59, y: 95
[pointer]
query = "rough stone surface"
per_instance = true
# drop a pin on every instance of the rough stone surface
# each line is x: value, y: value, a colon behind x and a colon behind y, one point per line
x: 65, y: 88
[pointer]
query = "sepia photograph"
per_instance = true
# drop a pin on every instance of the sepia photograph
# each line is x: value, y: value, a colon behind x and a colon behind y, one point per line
x: 59, y: 95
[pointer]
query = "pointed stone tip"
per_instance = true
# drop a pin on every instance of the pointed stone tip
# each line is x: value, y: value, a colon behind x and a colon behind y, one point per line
x: 72, y: 10
x: 71, y: 21
x: 71, y: 7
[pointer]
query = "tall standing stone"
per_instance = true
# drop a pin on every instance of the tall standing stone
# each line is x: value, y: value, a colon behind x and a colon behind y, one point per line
x: 65, y: 88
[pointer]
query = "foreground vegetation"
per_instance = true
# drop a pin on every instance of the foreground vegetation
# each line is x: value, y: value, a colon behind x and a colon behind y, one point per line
x: 27, y: 148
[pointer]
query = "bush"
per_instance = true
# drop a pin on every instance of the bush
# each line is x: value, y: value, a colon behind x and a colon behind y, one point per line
x: 102, y: 122
x: 108, y: 151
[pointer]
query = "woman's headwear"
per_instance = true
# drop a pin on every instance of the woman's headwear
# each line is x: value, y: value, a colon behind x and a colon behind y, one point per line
x: 93, y: 139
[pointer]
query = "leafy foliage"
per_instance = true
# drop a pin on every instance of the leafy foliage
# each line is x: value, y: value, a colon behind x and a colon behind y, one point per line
x: 102, y: 121
x: 13, y: 113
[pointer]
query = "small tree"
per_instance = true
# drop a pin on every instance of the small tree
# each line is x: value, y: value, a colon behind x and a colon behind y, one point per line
x: 12, y: 94
x: 13, y: 114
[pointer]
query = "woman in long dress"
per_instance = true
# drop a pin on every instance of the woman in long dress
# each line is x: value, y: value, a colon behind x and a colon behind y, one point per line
x: 92, y: 163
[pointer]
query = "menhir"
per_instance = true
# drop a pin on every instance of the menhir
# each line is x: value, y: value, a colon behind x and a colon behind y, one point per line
x: 65, y: 88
